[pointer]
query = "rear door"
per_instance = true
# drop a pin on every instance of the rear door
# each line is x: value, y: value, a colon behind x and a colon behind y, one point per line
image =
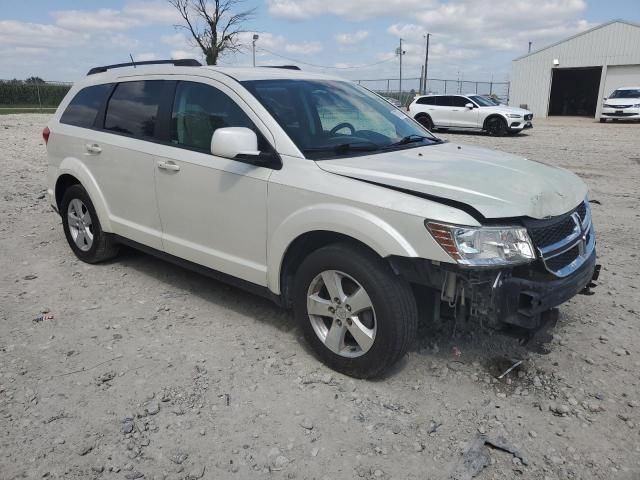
x: 122, y: 162
x: 213, y: 209
x: 443, y: 110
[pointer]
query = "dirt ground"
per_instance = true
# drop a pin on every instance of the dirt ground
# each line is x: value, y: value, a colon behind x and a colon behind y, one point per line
x: 150, y: 371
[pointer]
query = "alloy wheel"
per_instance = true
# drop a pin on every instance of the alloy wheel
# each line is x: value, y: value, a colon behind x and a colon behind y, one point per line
x: 80, y: 224
x: 341, y: 313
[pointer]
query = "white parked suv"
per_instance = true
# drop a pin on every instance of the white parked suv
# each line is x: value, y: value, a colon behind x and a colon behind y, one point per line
x: 469, y: 112
x: 622, y: 104
x: 320, y: 195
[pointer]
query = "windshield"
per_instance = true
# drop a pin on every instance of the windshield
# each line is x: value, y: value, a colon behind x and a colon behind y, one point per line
x: 627, y: 93
x: 330, y: 119
x: 483, y: 101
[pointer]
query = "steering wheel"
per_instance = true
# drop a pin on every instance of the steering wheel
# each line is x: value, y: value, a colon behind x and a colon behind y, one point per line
x: 342, y: 125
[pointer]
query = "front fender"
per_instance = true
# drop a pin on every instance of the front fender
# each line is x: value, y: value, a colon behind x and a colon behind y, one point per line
x: 354, y: 222
x: 74, y: 167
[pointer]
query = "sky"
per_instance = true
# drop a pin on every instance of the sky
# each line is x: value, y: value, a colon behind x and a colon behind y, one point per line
x: 60, y: 40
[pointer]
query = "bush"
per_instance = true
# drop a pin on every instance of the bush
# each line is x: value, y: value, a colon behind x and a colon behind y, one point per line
x: 31, y: 94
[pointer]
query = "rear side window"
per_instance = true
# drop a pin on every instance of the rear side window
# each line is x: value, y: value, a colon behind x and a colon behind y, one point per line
x: 133, y: 108
x: 199, y: 110
x: 427, y: 101
x: 83, y: 109
x: 445, y: 101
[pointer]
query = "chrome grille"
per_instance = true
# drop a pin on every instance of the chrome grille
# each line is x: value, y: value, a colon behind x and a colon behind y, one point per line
x: 564, y: 244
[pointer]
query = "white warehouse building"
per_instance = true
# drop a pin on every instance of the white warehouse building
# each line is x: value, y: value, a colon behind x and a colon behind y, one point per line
x: 573, y: 76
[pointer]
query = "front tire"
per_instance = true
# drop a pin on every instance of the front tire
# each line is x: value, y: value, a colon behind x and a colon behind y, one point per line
x: 82, y: 227
x: 496, y: 127
x: 357, y: 315
x: 603, y: 120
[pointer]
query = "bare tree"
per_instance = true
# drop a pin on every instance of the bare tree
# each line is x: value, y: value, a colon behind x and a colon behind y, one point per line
x: 214, y: 26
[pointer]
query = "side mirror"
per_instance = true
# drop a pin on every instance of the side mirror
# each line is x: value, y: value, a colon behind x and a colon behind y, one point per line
x: 469, y: 105
x: 231, y: 142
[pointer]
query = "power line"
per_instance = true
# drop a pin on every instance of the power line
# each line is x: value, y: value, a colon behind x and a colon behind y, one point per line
x: 323, y: 66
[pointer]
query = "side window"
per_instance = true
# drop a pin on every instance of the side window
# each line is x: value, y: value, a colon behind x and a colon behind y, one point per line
x: 133, y: 108
x: 460, y: 101
x: 198, y: 110
x: 444, y: 101
x: 427, y: 101
x: 82, y: 110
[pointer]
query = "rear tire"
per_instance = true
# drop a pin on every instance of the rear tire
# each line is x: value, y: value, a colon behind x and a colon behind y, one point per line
x: 425, y: 121
x: 376, y: 305
x: 82, y: 227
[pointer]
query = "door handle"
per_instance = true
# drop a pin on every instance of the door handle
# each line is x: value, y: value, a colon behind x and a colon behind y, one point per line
x: 168, y: 166
x: 93, y: 148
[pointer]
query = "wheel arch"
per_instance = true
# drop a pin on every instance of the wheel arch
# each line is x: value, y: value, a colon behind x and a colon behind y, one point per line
x: 296, y: 237
x: 494, y: 115
x: 74, y: 172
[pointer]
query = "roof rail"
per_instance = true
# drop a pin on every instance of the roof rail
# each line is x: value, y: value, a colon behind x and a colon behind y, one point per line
x: 286, y: 67
x: 184, y: 62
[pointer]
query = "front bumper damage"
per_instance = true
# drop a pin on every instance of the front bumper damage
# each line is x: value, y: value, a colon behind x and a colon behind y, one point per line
x: 521, y: 301
x: 497, y: 298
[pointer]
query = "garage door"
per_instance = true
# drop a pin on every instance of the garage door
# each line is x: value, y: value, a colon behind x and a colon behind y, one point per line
x: 621, y: 76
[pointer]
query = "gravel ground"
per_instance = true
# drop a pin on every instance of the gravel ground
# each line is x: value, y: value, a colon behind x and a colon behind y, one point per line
x: 148, y: 371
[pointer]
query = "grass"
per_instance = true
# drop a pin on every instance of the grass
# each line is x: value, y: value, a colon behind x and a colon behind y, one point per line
x: 21, y: 109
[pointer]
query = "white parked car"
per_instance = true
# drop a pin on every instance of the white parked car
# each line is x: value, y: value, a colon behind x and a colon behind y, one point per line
x: 622, y: 104
x: 469, y: 112
x: 318, y: 194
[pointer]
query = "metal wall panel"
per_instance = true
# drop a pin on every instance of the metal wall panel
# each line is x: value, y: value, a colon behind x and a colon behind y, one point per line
x: 614, y: 43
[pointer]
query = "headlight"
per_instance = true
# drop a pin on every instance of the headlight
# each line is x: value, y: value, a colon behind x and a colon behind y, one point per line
x: 637, y: 105
x: 484, y: 246
x: 513, y: 115
x: 606, y: 105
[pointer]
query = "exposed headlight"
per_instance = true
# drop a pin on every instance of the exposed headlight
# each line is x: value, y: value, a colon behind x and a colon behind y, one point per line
x: 484, y: 246
x: 514, y: 115
x: 637, y: 105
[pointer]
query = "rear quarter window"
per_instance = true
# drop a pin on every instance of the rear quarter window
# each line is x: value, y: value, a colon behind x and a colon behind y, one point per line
x: 83, y: 109
x: 133, y: 108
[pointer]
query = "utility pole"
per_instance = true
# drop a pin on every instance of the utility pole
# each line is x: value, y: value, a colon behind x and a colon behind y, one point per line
x: 426, y: 64
x: 529, y: 47
x: 400, y: 52
x: 255, y: 37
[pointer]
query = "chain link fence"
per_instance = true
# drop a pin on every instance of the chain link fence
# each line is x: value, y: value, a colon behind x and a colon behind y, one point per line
x: 31, y: 95
x: 390, y: 87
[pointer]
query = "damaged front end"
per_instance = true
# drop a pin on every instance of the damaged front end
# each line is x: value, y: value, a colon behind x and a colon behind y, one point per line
x: 517, y: 293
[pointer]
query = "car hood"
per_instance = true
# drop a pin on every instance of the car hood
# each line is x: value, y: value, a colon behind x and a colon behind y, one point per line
x: 622, y: 101
x: 496, y: 184
x: 507, y: 109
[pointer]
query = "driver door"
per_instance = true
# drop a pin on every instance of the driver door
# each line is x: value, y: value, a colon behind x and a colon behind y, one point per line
x: 462, y: 116
x: 213, y: 210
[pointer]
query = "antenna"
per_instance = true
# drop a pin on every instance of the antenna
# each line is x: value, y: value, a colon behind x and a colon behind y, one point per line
x: 134, y: 63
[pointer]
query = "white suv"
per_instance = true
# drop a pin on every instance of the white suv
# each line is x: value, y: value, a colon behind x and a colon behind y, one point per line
x: 473, y: 112
x: 320, y: 195
x: 622, y: 104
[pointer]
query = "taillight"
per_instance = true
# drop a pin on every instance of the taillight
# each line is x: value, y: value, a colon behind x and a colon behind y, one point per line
x: 45, y: 134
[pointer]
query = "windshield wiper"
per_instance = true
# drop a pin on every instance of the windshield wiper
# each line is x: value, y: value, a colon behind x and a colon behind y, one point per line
x: 413, y: 138
x: 345, y: 147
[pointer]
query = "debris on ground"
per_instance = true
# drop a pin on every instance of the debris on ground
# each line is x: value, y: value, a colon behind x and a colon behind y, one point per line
x: 476, y: 457
x: 43, y: 317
